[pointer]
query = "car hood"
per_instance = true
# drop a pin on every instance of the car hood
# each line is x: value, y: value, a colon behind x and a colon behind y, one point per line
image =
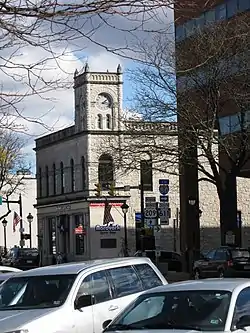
x: 16, y: 319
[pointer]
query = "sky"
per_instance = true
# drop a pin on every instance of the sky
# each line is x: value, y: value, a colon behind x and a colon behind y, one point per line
x: 55, y: 109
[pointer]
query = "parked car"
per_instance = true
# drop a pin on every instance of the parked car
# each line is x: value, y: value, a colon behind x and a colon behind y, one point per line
x: 223, y: 262
x: 22, y: 258
x: 74, y: 297
x: 212, y: 305
x: 173, y: 259
x: 6, y: 269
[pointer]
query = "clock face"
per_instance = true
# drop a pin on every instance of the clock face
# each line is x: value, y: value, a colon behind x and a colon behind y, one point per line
x: 103, y: 101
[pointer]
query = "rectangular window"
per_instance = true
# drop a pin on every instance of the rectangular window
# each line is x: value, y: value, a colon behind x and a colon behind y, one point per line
x: 108, y: 243
x: 52, y: 235
x: 221, y: 12
x: 244, y: 5
x: 147, y: 175
x: 231, y: 8
x: 148, y: 276
x: 79, y: 238
x: 200, y: 21
x: 179, y: 33
x: 235, y: 123
x: 190, y: 27
x: 210, y: 17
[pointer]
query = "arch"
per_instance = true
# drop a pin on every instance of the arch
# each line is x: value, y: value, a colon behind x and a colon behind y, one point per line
x: 105, y: 170
x: 62, y: 178
x: 46, y: 181
x: 54, y: 178
x: 108, y: 121
x: 99, y: 121
x: 83, y: 172
x: 72, y: 175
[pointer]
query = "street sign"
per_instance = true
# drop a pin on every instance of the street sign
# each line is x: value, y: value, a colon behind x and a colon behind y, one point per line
x: 157, y: 228
x: 164, y: 198
x: 164, y: 181
x: 150, y: 202
x: 150, y: 213
x: 150, y: 199
x: 164, y: 189
x: 163, y: 213
x: 150, y: 223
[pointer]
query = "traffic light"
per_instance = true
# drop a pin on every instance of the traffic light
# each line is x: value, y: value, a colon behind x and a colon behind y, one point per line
x: 25, y: 236
x: 111, y: 191
x: 98, y: 190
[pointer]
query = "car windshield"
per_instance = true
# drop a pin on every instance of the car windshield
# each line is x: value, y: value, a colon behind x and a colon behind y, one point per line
x: 33, y: 292
x: 27, y: 252
x: 241, y: 253
x: 201, y: 310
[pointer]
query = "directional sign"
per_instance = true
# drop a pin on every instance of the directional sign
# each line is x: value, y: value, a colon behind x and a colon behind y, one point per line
x: 150, y: 213
x: 150, y: 202
x: 163, y: 213
x: 164, y: 181
x: 150, y: 223
x: 157, y: 228
x: 164, y: 198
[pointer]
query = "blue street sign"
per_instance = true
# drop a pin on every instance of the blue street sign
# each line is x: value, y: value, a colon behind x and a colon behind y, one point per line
x: 164, y: 198
x: 137, y: 217
x: 164, y: 189
x: 163, y: 181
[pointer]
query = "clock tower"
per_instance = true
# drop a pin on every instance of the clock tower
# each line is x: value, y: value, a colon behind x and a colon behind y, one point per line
x: 98, y: 100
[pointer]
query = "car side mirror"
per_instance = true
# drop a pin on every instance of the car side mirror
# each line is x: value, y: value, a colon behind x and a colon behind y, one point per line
x: 243, y: 322
x: 83, y: 301
x: 106, y: 323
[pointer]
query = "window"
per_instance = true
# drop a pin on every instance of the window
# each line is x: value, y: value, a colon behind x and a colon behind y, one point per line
x: 231, y: 124
x: 99, y: 121
x: 221, y: 12
x: 54, y: 178
x: 209, y: 17
x: 244, y: 5
x: 72, y: 174
x: 125, y: 281
x: 190, y: 27
x: 147, y: 175
x: 83, y: 173
x: 40, y: 184
x: 221, y: 255
x: 108, y: 243
x: 200, y: 21
x: 242, y: 306
x: 108, y: 121
x: 52, y: 235
x: 231, y: 8
x: 179, y: 33
x: 62, y: 180
x: 47, y: 180
x: 148, y: 276
x: 105, y: 170
x: 79, y: 238
x: 97, y: 285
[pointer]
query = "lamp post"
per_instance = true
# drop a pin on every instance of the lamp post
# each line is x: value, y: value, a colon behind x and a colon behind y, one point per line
x: 125, y: 208
x: 5, y: 222
x: 30, y: 220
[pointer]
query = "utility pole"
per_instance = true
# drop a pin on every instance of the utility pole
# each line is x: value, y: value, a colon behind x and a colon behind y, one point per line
x: 142, y: 212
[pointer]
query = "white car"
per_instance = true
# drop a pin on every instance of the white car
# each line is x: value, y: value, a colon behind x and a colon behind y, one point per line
x: 7, y: 269
x: 73, y: 297
x: 211, y: 305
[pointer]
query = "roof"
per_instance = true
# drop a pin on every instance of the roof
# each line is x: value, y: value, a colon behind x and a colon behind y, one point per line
x: 77, y: 267
x: 228, y: 284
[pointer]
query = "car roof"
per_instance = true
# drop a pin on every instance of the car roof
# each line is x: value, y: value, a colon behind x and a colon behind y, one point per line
x: 5, y: 276
x: 77, y: 267
x: 228, y: 284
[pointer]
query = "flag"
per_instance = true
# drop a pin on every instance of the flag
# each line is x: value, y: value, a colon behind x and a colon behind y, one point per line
x: 107, y: 217
x: 16, y: 220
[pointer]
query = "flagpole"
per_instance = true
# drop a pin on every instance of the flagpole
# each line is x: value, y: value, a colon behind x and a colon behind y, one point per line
x: 21, y: 221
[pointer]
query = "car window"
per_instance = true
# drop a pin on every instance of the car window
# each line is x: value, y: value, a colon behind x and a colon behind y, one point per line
x: 148, y: 276
x: 242, y: 305
x: 125, y: 281
x: 220, y: 255
x: 97, y: 285
x: 210, y: 255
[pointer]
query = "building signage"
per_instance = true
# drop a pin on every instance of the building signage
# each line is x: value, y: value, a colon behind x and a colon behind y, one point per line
x: 108, y: 227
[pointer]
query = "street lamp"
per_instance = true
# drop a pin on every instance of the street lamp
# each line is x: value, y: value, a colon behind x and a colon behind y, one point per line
x: 125, y: 208
x: 5, y: 222
x: 30, y: 220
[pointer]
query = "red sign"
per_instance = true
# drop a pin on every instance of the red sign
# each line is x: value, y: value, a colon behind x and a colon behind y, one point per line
x: 102, y: 204
x: 80, y: 230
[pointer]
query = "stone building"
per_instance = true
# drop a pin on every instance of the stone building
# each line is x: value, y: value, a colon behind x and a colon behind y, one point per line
x: 73, y: 162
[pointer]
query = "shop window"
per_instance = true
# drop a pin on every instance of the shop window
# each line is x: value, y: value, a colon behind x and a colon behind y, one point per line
x: 108, y: 243
x: 79, y: 238
x: 72, y: 175
x: 105, y: 170
x: 52, y: 235
x: 147, y: 175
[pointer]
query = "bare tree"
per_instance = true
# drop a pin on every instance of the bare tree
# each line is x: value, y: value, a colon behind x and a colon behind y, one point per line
x: 12, y: 160
x: 212, y: 76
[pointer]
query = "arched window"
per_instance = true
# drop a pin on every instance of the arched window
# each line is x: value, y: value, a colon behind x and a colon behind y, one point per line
x: 47, y: 180
x: 108, y: 121
x: 99, y: 121
x: 40, y: 185
x: 147, y: 174
x: 62, y: 177
x: 54, y: 178
x: 72, y: 174
x: 83, y: 172
x: 105, y: 170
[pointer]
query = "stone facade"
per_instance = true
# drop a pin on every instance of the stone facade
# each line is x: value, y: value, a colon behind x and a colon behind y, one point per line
x: 68, y: 169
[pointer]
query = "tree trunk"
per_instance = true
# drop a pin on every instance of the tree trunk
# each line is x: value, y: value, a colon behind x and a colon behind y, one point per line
x: 230, y: 230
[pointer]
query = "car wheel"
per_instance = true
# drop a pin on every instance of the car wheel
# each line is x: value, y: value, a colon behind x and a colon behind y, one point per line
x: 197, y: 274
x: 221, y: 273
